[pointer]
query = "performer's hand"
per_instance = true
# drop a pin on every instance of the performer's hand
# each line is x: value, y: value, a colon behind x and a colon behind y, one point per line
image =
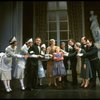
x: 38, y: 56
x: 84, y: 66
x: 41, y: 56
x: 50, y: 55
x: 26, y: 56
x: 80, y: 54
x: 66, y: 54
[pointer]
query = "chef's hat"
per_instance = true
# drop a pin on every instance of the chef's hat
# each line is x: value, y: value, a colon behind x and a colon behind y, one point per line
x: 13, y: 40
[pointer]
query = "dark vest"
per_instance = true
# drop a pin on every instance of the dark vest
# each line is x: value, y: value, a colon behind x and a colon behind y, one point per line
x: 34, y: 61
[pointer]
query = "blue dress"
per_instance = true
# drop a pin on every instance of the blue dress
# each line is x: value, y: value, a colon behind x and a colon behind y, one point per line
x: 58, y: 67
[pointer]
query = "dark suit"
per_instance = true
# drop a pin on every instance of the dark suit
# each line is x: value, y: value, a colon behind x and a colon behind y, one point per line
x: 32, y: 67
x: 73, y: 62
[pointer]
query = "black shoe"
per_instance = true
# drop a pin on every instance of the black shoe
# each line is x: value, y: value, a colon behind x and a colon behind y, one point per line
x: 74, y: 83
x: 30, y: 89
x: 92, y: 86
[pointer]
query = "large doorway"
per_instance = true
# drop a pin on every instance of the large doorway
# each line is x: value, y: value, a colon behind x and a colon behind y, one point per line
x: 57, y: 21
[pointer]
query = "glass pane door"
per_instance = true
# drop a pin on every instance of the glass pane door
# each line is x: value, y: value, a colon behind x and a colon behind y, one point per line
x: 58, y: 24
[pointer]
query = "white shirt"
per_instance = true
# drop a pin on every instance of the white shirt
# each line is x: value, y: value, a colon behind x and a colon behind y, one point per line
x: 39, y: 48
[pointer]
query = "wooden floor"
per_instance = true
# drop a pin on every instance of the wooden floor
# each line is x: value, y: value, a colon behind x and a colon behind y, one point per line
x: 45, y: 92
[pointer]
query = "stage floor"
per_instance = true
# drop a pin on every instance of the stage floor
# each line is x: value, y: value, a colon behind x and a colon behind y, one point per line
x: 44, y: 92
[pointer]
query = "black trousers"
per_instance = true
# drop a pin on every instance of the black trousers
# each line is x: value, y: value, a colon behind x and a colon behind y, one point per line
x: 74, y: 72
x: 31, y: 76
x: 95, y: 66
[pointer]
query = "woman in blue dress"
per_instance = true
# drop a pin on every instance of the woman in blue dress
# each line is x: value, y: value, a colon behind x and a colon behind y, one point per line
x: 58, y: 68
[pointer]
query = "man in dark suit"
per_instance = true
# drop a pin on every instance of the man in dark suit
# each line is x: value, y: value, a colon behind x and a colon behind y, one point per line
x: 92, y: 54
x: 73, y: 60
x: 32, y: 64
x: 83, y: 43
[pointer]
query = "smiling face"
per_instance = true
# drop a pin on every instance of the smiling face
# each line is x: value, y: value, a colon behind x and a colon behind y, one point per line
x: 62, y: 45
x: 89, y: 43
x: 38, y: 41
x: 83, y: 40
x: 70, y: 42
x: 77, y: 46
x: 52, y: 42
x: 14, y: 44
x: 29, y: 44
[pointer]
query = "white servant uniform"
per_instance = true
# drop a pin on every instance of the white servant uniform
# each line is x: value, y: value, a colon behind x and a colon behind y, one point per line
x: 6, y: 63
x: 19, y: 69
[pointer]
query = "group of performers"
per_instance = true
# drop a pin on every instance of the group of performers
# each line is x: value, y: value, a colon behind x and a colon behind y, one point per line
x: 34, y: 58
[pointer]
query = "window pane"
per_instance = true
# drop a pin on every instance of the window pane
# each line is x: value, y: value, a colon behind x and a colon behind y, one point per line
x: 52, y: 26
x: 63, y: 26
x: 52, y: 5
x: 63, y: 15
x: 63, y: 5
x: 53, y: 35
x: 52, y: 16
x: 63, y: 35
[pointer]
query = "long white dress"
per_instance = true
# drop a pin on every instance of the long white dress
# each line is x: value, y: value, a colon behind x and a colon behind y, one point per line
x: 8, y: 60
x: 6, y: 63
x: 5, y: 67
x: 20, y: 66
